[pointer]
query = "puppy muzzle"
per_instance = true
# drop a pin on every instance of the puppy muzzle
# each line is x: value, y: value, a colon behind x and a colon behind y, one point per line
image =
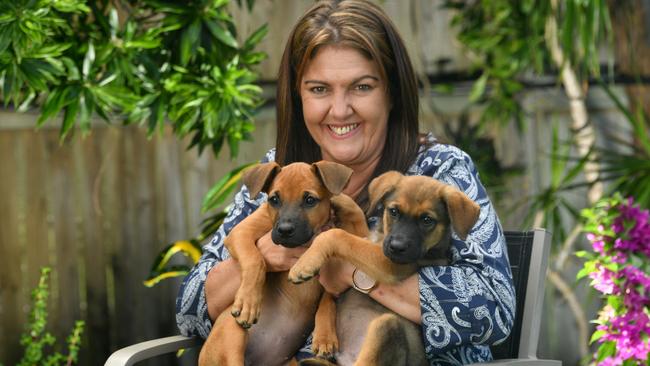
x: 401, y: 249
x: 291, y: 234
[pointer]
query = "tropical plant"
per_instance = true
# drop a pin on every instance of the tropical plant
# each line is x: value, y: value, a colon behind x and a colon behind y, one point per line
x: 142, y: 61
x: 146, y: 62
x: 619, y: 268
x: 513, y: 43
x: 37, y: 342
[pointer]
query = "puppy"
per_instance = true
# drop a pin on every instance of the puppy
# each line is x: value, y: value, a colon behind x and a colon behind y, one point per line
x: 298, y: 206
x: 418, y: 215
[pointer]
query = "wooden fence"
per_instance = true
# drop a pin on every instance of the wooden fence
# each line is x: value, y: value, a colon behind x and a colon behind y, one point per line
x: 97, y: 210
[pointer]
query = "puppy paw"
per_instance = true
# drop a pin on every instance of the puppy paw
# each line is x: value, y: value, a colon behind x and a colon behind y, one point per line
x: 305, y: 269
x: 325, y: 345
x: 246, y: 308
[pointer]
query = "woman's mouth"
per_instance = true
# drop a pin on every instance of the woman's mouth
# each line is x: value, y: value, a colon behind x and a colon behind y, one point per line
x: 343, y: 130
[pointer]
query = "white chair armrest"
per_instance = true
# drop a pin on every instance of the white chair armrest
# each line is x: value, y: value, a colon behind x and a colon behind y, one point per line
x: 520, y: 362
x: 128, y: 356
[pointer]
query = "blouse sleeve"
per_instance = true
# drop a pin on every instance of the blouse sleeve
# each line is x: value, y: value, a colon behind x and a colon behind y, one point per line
x: 191, y: 307
x: 471, y: 303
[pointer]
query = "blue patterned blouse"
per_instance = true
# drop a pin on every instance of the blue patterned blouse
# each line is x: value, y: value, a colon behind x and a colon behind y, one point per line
x: 465, y: 307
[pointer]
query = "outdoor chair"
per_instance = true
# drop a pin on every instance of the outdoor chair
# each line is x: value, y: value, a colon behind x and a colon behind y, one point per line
x: 528, y: 252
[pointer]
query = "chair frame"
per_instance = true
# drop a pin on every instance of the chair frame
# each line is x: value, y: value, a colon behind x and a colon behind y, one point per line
x: 530, y: 328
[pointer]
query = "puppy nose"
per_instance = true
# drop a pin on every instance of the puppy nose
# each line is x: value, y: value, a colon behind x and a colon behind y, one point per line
x: 286, y: 229
x: 398, y: 245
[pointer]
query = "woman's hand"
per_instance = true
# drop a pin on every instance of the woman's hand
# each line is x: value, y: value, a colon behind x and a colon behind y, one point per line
x: 278, y: 258
x: 336, y: 276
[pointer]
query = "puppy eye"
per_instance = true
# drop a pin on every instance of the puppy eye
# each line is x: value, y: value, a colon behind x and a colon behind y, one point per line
x: 428, y: 220
x: 310, y: 201
x: 393, y: 212
x: 274, y: 201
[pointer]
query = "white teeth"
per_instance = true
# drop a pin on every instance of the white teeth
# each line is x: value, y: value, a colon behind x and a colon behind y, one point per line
x: 342, y: 130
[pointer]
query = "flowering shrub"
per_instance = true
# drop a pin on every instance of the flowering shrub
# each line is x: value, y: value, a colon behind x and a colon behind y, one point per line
x: 619, y: 268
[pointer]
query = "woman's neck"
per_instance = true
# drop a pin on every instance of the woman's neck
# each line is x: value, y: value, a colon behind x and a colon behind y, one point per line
x: 361, y: 177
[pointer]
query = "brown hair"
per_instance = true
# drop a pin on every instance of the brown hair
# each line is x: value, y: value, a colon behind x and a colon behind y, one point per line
x: 364, y: 27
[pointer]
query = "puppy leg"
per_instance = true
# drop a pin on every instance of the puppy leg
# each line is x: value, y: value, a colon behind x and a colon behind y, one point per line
x: 241, y: 243
x: 226, y: 343
x: 385, y: 343
x: 361, y: 252
x: 325, y: 342
x: 349, y: 216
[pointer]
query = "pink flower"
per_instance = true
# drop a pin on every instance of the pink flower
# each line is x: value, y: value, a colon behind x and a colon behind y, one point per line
x: 603, y: 281
x: 619, y: 272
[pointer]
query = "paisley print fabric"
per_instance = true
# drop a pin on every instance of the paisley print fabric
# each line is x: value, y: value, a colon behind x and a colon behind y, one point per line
x: 465, y: 307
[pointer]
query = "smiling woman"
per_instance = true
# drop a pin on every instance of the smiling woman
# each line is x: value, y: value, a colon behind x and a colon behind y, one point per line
x: 347, y: 93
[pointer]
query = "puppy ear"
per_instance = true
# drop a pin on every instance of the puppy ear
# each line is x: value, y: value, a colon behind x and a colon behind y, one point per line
x: 258, y: 178
x: 334, y: 176
x: 463, y: 212
x: 381, y: 186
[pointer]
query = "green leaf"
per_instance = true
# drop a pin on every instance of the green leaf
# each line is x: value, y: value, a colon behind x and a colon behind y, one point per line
x: 86, y: 105
x: 222, y: 189
x: 221, y: 34
x: 478, y: 89
x: 69, y: 118
x: 113, y: 22
x: 210, y: 225
x: 256, y: 37
x: 640, y: 130
x: 605, y: 350
x: 189, y: 248
x: 171, y: 272
x: 597, y: 335
x: 88, y: 60
x: 53, y: 104
x: 189, y: 41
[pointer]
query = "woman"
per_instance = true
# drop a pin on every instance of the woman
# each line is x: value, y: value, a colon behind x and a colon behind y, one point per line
x: 347, y: 93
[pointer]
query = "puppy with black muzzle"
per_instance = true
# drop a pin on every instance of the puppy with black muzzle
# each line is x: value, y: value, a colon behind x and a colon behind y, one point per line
x: 419, y: 214
x: 298, y: 206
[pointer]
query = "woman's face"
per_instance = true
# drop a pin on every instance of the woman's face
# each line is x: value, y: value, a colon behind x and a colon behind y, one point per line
x: 345, y: 104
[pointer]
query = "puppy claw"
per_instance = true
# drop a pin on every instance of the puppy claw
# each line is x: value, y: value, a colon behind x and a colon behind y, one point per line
x: 300, y: 276
x: 325, y: 348
x: 246, y: 309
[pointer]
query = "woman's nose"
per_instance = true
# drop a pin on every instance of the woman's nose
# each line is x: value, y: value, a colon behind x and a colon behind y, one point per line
x: 341, y: 106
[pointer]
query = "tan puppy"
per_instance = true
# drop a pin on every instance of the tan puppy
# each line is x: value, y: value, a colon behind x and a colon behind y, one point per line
x: 418, y: 213
x: 298, y: 206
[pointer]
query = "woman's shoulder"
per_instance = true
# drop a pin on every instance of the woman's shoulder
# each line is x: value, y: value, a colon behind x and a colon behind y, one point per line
x: 436, y: 158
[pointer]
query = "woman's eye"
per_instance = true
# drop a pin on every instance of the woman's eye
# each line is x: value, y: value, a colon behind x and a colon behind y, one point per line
x: 393, y: 212
x: 364, y: 87
x: 318, y: 89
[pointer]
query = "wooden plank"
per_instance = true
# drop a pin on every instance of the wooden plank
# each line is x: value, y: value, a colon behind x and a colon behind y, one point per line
x: 12, y: 292
x: 125, y: 214
x: 61, y: 197
x: 109, y: 211
x: 91, y: 259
